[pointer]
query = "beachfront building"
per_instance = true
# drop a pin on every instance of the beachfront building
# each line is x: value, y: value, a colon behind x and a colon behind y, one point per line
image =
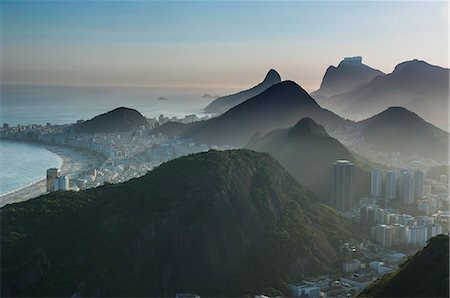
x: 52, y: 176
x: 62, y: 183
x: 55, y: 181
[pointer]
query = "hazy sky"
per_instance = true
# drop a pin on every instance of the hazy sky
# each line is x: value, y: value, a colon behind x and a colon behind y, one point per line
x: 206, y: 43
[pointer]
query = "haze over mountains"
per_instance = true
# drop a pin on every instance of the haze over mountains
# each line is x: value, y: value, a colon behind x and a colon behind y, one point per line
x: 281, y: 105
x: 349, y: 74
x: 284, y: 104
x: 308, y: 152
x: 416, y: 85
x: 172, y: 231
x: 400, y: 130
x: 223, y: 104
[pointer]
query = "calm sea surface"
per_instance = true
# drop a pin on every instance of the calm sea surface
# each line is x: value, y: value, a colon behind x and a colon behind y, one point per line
x: 22, y: 164
x: 63, y: 104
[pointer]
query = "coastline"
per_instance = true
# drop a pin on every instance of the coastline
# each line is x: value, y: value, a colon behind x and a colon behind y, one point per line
x: 74, y: 162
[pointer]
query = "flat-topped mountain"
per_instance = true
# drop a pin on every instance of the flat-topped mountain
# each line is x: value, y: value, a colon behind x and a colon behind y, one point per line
x: 223, y: 104
x: 205, y: 223
x: 308, y: 152
x: 118, y: 120
x: 415, y: 85
x: 399, y: 130
x: 426, y: 274
x: 349, y: 74
x: 279, y: 106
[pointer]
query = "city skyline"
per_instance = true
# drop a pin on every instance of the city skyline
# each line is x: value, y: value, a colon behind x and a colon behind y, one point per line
x: 215, y: 44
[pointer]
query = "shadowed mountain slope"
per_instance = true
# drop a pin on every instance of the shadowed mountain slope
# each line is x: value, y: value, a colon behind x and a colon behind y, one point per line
x: 400, y: 130
x: 308, y: 152
x: 224, y: 103
x: 423, y: 275
x: 279, y: 106
x: 415, y: 85
x: 349, y: 74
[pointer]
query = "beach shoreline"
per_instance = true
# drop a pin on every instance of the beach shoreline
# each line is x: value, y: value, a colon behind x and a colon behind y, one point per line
x: 75, y: 162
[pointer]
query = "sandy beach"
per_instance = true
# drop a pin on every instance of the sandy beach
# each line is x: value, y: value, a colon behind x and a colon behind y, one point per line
x: 75, y: 163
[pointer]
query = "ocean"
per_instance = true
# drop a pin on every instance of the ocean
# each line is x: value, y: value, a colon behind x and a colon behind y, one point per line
x: 23, y: 164
x: 66, y: 104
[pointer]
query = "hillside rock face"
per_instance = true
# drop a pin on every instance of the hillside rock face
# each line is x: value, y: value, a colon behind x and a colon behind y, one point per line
x: 349, y: 74
x: 426, y: 274
x: 206, y: 223
x: 224, y: 103
x: 118, y: 120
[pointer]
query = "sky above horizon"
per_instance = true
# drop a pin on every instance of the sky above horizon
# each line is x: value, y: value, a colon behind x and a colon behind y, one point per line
x: 210, y: 43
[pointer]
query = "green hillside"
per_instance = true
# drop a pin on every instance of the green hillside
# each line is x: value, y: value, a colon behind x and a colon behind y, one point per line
x: 206, y: 223
x: 308, y: 152
x: 423, y: 275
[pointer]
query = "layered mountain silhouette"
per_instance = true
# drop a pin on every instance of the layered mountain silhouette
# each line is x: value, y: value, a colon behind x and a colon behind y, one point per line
x: 349, y: 74
x: 426, y: 274
x: 415, y: 85
x: 223, y: 104
x: 308, y: 152
x: 118, y: 120
x: 281, y: 105
x: 400, y: 130
x: 172, y: 232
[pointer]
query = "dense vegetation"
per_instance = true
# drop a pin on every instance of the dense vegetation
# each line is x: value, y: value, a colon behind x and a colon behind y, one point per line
x: 118, y: 120
x: 426, y: 274
x: 308, y: 153
x: 206, y: 223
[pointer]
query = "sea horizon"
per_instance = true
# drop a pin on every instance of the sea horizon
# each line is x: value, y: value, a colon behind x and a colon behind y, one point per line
x: 57, y: 104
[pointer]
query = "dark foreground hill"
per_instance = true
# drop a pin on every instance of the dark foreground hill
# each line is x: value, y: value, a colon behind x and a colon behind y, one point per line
x: 224, y: 103
x: 118, y: 120
x: 423, y: 275
x: 280, y: 106
x: 217, y: 223
x: 308, y: 152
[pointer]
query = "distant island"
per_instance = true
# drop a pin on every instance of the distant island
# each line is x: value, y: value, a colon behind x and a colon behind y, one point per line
x: 209, y: 96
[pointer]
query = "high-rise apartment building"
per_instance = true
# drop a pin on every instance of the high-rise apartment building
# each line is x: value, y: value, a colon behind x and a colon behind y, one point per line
x: 342, y: 185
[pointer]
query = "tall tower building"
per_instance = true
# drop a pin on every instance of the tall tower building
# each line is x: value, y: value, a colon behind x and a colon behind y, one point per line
x: 418, y: 184
x: 407, y: 188
x: 342, y: 185
x: 391, y: 186
x: 52, y: 176
x: 375, y: 183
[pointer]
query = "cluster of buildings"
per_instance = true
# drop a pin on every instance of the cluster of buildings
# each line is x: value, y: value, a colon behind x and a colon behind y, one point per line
x: 187, y: 119
x: 124, y: 155
x: 411, y: 185
x: 56, y: 181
